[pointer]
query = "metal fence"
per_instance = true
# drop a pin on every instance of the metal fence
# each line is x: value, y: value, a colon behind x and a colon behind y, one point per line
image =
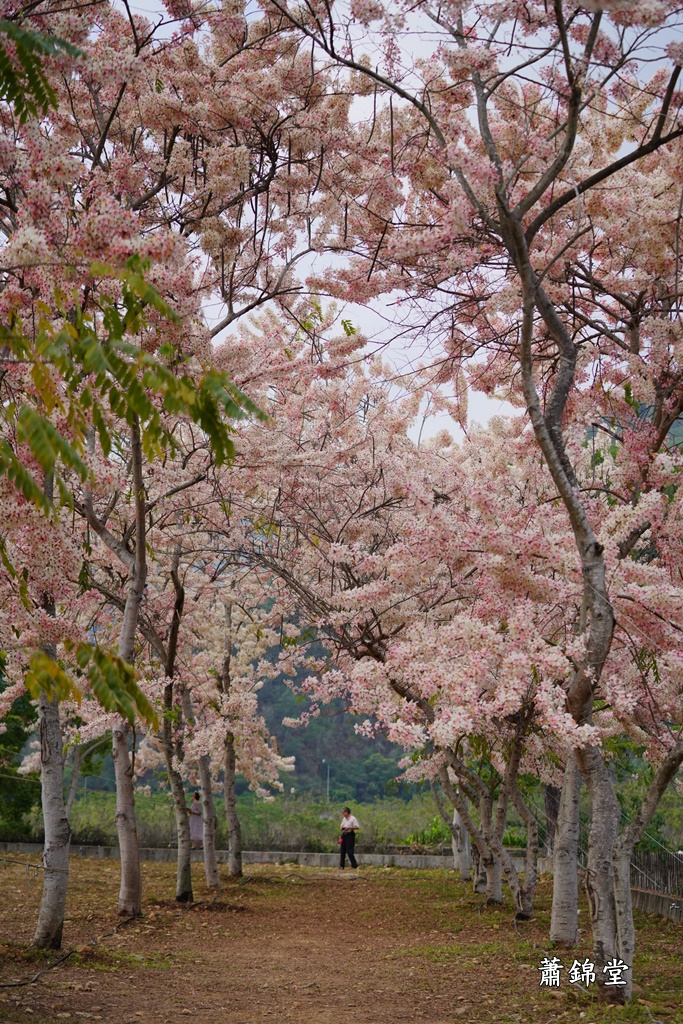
x: 658, y: 872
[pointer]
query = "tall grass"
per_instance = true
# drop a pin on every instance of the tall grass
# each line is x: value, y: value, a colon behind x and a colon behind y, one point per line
x: 288, y: 823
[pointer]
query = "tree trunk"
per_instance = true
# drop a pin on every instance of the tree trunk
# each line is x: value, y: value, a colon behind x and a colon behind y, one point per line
x: 48, y: 934
x: 621, y: 859
x: 494, y: 880
x: 597, y: 609
x: 626, y: 933
x: 606, y: 814
x: 490, y: 859
x: 462, y: 857
x: 232, y: 821
x: 525, y: 893
x: 481, y: 850
x: 210, y: 864
x: 551, y: 800
x: 508, y: 788
x: 130, y: 892
x: 460, y: 837
x: 564, y: 921
x: 479, y: 873
x: 183, y: 888
x: 230, y: 762
x: 75, y: 776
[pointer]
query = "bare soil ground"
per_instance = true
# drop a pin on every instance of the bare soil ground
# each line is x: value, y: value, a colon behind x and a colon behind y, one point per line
x: 307, y: 945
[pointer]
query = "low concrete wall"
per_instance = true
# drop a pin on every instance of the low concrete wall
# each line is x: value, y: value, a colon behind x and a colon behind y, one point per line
x: 330, y: 860
x: 658, y: 903
x: 316, y: 860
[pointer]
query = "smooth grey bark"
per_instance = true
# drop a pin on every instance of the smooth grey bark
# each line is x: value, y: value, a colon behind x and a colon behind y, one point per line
x: 486, y: 878
x: 213, y: 880
x: 596, y: 604
x: 460, y: 837
x: 183, y: 891
x: 551, y: 807
x: 230, y: 761
x: 492, y: 857
x: 606, y: 814
x: 462, y: 856
x: 493, y: 827
x: 623, y: 852
x: 479, y: 872
x: 525, y: 892
x: 231, y: 817
x: 130, y: 892
x: 494, y: 880
x: 172, y: 717
x: 48, y: 934
x: 564, y: 920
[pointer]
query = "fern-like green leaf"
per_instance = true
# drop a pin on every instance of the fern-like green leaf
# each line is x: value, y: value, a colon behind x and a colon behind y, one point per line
x: 23, y: 82
x: 47, y: 676
x: 111, y: 680
x: 47, y: 444
x: 22, y: 478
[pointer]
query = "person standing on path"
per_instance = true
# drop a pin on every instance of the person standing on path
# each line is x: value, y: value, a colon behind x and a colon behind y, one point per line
x: 196, y: 822
x: 349, y: 827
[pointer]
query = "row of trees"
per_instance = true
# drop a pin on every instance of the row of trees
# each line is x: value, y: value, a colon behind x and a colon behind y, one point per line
x: 510, y: 605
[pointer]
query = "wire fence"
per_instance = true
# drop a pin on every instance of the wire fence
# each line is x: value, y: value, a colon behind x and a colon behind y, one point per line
x: 658, y: 872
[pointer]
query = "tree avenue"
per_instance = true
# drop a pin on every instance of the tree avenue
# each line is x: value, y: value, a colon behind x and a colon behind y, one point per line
x: 209, y: 479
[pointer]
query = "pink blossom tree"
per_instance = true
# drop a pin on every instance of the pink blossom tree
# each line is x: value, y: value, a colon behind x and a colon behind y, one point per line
x: 151, y: 151
x: 491, y: 166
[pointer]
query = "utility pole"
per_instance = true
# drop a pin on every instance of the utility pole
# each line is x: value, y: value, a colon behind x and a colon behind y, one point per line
x: 325, y: 761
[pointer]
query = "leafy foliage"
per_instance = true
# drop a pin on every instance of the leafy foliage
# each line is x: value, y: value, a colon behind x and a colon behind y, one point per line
x: 111, y: 679
x: 124, y: 383
x: 84, y: 372
x: 18, y: 793
x: 23, y: 82
x: 434, y: 834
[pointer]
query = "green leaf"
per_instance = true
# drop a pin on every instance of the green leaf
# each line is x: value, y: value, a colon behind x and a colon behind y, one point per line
x: 23, y: 480
x: 47, y: 444
x: 23, y: 82
x: 47, y: 676
x: 112, y: 681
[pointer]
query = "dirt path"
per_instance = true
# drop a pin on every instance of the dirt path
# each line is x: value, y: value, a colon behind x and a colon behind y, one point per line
x: 290, y: 944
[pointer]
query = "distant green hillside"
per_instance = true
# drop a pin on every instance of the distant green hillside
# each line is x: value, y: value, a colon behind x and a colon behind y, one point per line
x: 360, y: 768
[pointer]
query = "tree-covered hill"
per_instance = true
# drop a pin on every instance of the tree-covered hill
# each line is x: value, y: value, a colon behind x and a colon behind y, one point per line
x: 360, y: 768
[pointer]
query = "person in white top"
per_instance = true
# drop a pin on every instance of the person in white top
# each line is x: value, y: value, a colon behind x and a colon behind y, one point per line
x: 349, y: 827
